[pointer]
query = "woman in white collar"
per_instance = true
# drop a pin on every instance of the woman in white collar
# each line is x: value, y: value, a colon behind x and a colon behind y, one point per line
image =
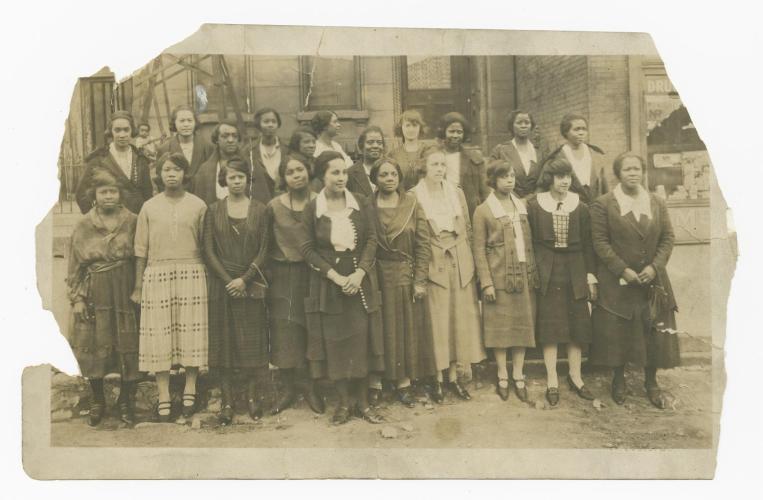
x: 587, y: 160
x: 561, y: 230
x: 634, y: 321
x: 520, y: 152
x: 505, y: 262
x: 451, y: 291
x: 343, y: 307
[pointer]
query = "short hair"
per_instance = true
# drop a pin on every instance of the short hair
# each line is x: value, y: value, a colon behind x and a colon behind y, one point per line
x: 374, y: 173
x: 321, y: 163
x: 116, y: 115
x: 413, y: 116
x: 177, y: 159
x: 421, y: 169
x: 321, y: 120
x: 449, y: 119
x: 617, y: 165
x: 284, y: 164
x: 496, y: 169
x: 513, y: 117
x: 297, y: 135
x: 557, y: 166
x: 566, y: 123
x: 262, y: 112
x: 216, y: 131
x: 174, y: 116
x: 101, y: 177
x: 236, y: 164
x: 144, y: 124
x: 364, y: 134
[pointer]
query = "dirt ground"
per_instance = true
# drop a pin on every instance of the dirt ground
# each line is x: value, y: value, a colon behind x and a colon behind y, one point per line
x: 484, y: 422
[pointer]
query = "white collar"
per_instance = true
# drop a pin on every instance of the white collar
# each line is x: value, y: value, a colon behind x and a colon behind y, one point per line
x: 495, y: 206
x: 531, y: 153
x: 640, y: 205
x: 321, y: 204
x: 581, y: 167
x: 549, y: 204
x: 422, y: 194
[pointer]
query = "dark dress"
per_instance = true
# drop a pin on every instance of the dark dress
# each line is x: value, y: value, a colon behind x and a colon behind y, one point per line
x: 473, y: 178
x: 102, y: 274
x: 563, y: 266
x: 233, y: 248
x: 409, y: 163
x: 633, y: 323
x: 345, y: 338
x: 402, y: 259
x: 288, y: 275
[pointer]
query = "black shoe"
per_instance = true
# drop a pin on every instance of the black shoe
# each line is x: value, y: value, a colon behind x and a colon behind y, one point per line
x: 126, y: 412
x: 226, y: 415
x: 405, y: 396
x: 256, y: 407
x: 189, y: 405
x: 437, y: 394
x: 521, y: 392
x: 164, y: 406
x: 503, y: 392
x: 618, y: 390
x: 656, y: 396
x: 552, y: 395
x: 315, y: 401
x: 97, y: 408
x: 369, y: 415
x: 374, y: 396
x: 460, y: 391
x: 581, y: 391
x: 284, y: 402
x: 341, y: 415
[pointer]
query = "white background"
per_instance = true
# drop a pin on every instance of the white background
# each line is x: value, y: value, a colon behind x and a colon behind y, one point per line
x: 712, y: 53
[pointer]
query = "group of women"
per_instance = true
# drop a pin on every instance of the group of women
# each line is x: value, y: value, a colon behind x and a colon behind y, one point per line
x: 442, y: 258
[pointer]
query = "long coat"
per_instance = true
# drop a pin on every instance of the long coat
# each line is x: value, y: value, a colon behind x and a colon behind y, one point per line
x: 525, y: 181
x: 473, y: 178
x: 135, y: 190
x: 202, y: 150
x: 204, y: 183
x: 264, y: 188
x: 357, y: 180
x: 620, y: 243
x: 598, y: 184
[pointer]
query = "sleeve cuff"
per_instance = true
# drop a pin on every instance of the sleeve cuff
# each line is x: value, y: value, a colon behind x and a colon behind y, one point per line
x: 592, y: 279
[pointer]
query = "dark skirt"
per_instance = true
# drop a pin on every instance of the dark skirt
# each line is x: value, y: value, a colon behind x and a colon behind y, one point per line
x: 286, y: 307
x: 562, y: 318
x: 238, y: 332
x: 618, y: 340
x: 109, y: 342
x: 408, y: 341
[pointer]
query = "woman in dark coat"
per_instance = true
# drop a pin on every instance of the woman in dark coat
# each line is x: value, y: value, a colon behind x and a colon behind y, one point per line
x: 587, y: 160
x: 521, y: 153
x: 288, y: 275
x: 235, y: 246
x: 402, y: 257
x: 103, y: 333
x: 561, y: 230
x: 184, y: 122
x: 129, y: 165
x: 634, y: 321
x: 343, y: 307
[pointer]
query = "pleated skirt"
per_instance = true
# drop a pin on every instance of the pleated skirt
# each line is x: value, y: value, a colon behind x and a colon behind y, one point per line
x: 174, y: 317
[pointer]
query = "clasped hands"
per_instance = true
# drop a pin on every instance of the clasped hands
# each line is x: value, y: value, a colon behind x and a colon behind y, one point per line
x: 645, y: 277
x: 350, y: 285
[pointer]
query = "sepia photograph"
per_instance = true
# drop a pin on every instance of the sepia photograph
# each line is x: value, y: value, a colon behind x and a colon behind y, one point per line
x: 300, y: 248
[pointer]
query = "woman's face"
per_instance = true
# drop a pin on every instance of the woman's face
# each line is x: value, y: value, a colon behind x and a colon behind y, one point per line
x: 307, y: 145
x: 578, y: 133
x: 184, y: 122
x: 172, y: 175
x: 334, y: 126
x: 295, y: 175
x: 388, y: 178
x: 505, y: 183
x: 436, y: 167
x: 454, y: 135
x: 121, y: 132
x: 236, y: 181
x: 335, y: 178
x: 631, y: 173
x: 561, y: 184
x: 268, y: 124
x: 522, y: 126
x: 411, y: 130
x: 373, y: 146
x: 107, y: 197
x: 227, y: 139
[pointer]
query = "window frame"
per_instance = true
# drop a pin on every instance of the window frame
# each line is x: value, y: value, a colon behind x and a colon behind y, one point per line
x: 304, y: 81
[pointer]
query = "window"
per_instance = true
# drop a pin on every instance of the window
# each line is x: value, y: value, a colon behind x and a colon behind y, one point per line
x: 330, y: 83
x: 678, y: 166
